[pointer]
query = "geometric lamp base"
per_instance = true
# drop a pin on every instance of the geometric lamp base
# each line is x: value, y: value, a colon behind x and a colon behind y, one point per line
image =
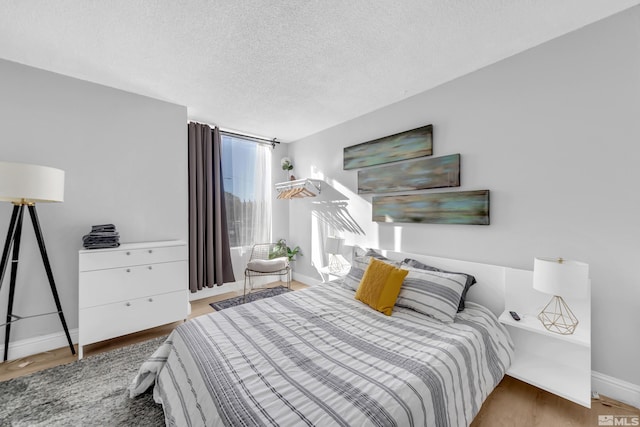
x: 335, y: 264
x: 557, y: 317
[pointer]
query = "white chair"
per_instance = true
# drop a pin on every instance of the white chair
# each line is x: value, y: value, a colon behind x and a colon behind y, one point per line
x: 267, y: 259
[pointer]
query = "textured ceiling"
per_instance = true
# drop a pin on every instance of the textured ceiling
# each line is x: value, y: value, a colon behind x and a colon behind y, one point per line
x: 284, y: 69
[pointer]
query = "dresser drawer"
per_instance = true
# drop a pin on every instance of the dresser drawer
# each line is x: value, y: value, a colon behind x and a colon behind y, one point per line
x: 112, y: 320
x: 131, y: 254
x: 101, y: 287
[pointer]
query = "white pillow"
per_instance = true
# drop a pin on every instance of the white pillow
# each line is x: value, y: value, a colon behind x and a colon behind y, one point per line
x: 268, y: 265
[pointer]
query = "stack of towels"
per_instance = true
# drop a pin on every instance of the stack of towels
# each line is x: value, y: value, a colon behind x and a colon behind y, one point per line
x: 101, y: 236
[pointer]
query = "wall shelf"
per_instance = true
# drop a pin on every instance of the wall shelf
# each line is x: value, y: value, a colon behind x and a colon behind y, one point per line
x: 560, y: 364
x: 298, y: 189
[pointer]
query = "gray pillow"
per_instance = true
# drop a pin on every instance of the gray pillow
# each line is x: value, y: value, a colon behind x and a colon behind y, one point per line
x: 432, y: 293
x: 469, y: 282
x: 359, y: 264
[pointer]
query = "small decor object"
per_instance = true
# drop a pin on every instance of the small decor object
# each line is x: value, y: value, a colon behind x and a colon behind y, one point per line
x: 557, y: 276
x: 101, y: 237
x: 281, y: 249
x: 430, y: 172
x: 406, y: 145
x: 287, y: 166
x: 462, y: 207
x: 25, y: 185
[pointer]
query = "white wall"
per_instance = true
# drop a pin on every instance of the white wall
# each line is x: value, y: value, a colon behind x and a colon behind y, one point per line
x: 125, y: 158
x: 553, y: 133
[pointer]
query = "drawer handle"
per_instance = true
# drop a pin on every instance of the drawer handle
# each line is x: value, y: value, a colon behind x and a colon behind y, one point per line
x: 150, y: 251
x: 128, y: 304
x: 128, y: 253
x: 150, y: 299
x: 150, y: 268
x: 128, y: 270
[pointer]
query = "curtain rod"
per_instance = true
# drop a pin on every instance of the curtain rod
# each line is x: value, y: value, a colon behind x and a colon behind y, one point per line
x: 271, y: 142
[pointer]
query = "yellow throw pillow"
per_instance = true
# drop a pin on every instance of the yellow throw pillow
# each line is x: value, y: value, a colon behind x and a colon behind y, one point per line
x: 380, y: 286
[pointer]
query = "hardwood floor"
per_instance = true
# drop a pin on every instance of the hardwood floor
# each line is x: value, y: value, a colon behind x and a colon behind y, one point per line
x: 61, y: 356
x: 512, y: 404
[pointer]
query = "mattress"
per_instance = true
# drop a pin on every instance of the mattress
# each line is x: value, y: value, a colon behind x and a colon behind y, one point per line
x: 318, y: 357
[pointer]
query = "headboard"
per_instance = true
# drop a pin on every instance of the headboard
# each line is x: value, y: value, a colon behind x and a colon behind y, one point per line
x: 490, y: 287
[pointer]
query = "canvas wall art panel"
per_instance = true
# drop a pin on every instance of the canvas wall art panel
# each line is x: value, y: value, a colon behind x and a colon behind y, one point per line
x: 462, y: 207
x: 428, y: 172
x: 406, y: 145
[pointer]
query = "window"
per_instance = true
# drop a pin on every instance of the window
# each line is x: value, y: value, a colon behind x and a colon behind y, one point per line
x: 246, y: 174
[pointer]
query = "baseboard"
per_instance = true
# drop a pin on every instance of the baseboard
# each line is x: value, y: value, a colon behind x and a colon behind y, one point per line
x: 42, y: 343
x: 615, y: 388
x: 307, y: 280
x: 216, y: 290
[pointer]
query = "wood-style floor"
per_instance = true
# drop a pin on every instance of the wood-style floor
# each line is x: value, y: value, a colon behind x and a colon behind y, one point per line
x: 512, y: 404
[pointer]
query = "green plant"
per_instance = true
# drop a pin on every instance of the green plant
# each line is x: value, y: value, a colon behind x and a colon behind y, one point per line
x: 286, y: 164
x: 281, y: 249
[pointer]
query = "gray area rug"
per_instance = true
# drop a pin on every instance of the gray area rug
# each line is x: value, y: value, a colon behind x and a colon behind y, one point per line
x: 254, y: 296
x: 89, y: 392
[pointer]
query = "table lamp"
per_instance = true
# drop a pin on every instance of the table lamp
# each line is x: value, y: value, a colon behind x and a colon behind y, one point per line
x: 332, y: 246
x: 25, y: 185
x: 560, y: 277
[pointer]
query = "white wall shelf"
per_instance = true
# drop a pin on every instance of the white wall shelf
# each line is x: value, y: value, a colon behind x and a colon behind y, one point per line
x: 298, y: 188
x: 531, y: 323
x: 560, y: 364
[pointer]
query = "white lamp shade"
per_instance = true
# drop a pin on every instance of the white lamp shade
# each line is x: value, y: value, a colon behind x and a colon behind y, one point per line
x: 561, y: 277
x: 21, y: 182
x: 333, y: 245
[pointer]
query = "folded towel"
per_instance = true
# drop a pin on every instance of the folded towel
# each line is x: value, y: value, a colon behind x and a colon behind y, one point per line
x: 101, y: 236
x: 101, y: 245
x: 103, y: 227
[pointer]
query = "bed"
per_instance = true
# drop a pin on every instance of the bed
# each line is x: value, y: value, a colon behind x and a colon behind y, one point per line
x: 319, y: 357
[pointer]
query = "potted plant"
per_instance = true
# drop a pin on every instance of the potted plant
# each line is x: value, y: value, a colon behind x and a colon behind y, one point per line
x: 281, y: 249
x: 287, y: 166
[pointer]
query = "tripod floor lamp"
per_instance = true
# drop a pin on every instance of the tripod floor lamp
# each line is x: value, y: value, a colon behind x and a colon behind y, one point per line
x: 25, y: 185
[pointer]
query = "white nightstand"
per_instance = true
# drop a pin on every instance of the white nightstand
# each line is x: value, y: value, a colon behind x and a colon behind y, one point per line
x: 560, y: 364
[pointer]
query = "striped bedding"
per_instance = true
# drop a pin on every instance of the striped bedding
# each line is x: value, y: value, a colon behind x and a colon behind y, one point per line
x: 318, y: 357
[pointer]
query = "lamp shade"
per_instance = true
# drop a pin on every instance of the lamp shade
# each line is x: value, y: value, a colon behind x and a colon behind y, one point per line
x: 333, y: 245
x: 21, y: 182
x: 557, y: 276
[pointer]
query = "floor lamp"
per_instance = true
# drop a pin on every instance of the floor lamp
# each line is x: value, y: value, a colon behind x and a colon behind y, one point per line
x: 25, y: 185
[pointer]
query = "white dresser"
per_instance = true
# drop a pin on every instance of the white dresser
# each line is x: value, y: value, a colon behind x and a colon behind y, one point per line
x: 133, y: 287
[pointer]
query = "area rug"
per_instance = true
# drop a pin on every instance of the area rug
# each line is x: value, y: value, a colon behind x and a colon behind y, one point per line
x: 89, y: 392
x: 254, y: 296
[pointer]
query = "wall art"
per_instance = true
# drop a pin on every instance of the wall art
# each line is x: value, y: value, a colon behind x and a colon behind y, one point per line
x: 401, y: 146
x: 462, y: 207
x: 429, y: 172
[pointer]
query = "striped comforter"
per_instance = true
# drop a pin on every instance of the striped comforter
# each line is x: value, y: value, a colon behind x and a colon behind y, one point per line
x: 319, y: 357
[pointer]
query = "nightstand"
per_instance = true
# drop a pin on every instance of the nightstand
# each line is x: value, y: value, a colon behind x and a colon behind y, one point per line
x: 560, y: 364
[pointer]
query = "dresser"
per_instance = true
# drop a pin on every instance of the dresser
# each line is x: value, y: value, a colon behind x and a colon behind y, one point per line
x: 133, y: 287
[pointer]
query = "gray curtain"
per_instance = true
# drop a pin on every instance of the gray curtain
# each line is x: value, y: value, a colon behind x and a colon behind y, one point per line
x: 209, y: 253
